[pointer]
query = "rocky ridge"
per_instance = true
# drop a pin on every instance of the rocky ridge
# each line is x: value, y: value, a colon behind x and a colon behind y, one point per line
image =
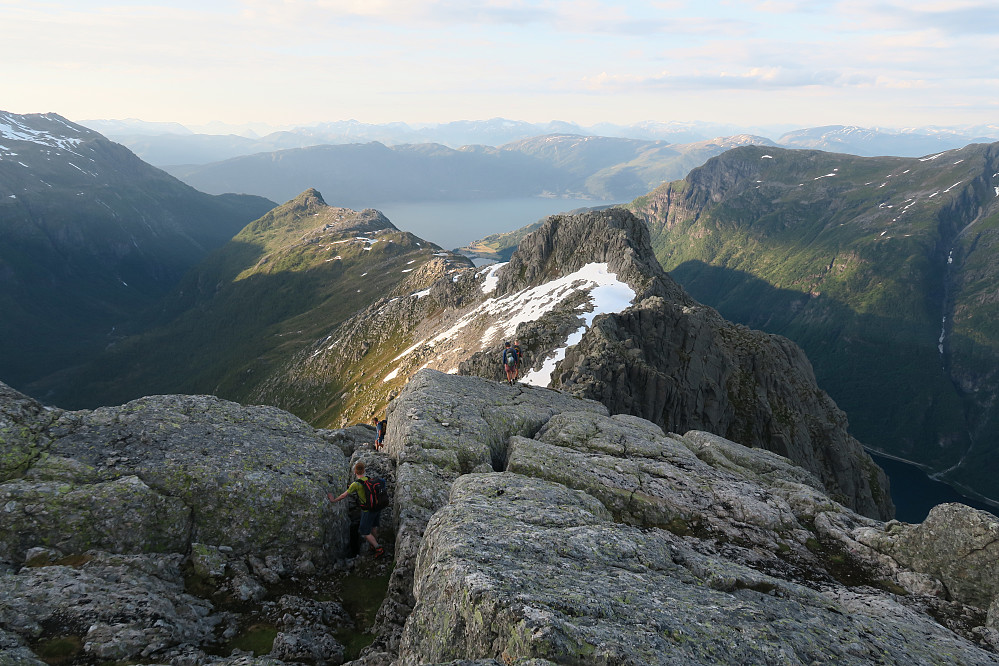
x: 530, y: 527
x: 601, y: 539
x: 681, y: 365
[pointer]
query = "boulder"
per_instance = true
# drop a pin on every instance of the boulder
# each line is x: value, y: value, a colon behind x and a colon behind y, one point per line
x: 160, y: 473
x: 531, y: 568
x: 957, y: 545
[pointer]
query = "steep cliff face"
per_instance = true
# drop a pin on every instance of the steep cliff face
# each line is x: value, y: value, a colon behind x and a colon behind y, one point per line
x: 882, y: 269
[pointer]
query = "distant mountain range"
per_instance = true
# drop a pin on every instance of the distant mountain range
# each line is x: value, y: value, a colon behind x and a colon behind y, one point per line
x: 171, y: 144
x: 92, y: 235
x: 557, y: 165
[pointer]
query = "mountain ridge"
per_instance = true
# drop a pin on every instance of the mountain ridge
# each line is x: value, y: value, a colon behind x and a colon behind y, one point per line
x: 92, y: 236
x: 879, y: 267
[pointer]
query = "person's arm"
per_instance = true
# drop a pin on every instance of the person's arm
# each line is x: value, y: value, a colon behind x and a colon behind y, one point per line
x: 342, y: 495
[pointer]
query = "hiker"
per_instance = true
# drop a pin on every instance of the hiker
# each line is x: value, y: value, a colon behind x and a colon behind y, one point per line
x: 369, y: 517
x: 379, y: 431
x: 516, y: 366
x: 509, y: 359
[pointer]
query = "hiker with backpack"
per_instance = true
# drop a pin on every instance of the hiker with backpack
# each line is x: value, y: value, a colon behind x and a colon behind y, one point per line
x: 370, y: 494
x: 509, y: 359
x: 379, y: 431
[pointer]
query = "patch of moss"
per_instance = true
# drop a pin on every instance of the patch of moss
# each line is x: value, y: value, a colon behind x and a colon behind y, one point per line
x: 257, y: 638
x: 59, y: 649
x: 362, y: 596
x: 353, y: 642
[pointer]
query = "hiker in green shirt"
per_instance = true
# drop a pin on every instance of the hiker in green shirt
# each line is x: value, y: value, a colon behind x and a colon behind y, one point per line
x: 369, y: 517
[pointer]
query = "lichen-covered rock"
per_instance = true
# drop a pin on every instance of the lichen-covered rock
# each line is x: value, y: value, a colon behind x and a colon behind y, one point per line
x: 22, y: 431
x: 160, y: 473
x: 440, y: 427
x: 124, y: 515
x: 531, y: 568
x: 120, y: 606
x: 603, y: 539
x: 957, y: 545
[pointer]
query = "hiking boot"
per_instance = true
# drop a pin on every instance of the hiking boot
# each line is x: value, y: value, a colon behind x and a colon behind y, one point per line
x: 379, y: 552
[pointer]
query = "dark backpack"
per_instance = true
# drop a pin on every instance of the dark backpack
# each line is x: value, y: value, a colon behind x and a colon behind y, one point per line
x: 380, y: 428
x: 376, y: 492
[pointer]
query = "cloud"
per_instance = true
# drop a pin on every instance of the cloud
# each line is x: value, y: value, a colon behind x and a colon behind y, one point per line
x: 758, y: 78
x: 951, y: 17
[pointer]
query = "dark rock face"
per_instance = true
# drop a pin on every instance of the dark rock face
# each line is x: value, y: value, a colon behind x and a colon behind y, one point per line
x: 685, y: 368
x: 566, y: 243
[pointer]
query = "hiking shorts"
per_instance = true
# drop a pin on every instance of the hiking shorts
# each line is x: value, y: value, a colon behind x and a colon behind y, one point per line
x: 369, y: 519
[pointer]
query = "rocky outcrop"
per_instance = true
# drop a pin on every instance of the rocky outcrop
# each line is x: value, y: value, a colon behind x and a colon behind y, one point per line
x: 604, y: 540
x: 160, y: 473
x: 168, y: 527
x: 531, y: 527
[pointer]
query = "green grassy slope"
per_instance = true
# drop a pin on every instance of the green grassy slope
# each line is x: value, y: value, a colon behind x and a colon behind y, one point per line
x: 848, y: 257
x: 282, y: 282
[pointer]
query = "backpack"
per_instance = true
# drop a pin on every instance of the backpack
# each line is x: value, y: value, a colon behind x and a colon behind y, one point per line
x: 376, y: 491
x: 380, y: 428
x: 509, y: 356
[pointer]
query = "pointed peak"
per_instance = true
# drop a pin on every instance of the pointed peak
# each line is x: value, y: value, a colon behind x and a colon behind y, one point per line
x: 566, y: 243
x: 310, y: 198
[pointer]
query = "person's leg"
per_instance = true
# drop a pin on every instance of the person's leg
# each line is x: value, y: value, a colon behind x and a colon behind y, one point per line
x: 366, y: 528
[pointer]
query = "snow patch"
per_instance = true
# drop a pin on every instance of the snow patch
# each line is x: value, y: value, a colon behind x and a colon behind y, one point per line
x: 492, y: 280
x: 766, y: 157
x: 421, y: 294
x: 392, y: 375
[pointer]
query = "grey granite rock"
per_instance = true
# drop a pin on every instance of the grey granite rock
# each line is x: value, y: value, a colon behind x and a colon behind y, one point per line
x: 605, y: 540
x: 957, y: 545
x: 531, y: 568
x: 160, y: 473
x: 124, y: 606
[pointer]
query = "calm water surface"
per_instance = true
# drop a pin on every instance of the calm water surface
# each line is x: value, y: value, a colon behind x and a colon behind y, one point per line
x: 915, y: 493
x: 454, y: 224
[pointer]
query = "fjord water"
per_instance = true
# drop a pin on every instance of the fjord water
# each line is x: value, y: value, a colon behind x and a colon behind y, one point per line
x: 454, y: 224
x: 915, y: 493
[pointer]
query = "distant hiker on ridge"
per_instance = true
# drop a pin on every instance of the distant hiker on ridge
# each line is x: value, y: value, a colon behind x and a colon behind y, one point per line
x: 379, y: 431
x: 509, y: 359
x: 369, y: 516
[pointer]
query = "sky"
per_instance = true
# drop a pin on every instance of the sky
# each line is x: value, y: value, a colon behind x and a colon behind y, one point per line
x: 873, y: 63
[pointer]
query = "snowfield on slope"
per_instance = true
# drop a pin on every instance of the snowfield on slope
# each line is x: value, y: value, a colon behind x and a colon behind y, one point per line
x: 503, y: 315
